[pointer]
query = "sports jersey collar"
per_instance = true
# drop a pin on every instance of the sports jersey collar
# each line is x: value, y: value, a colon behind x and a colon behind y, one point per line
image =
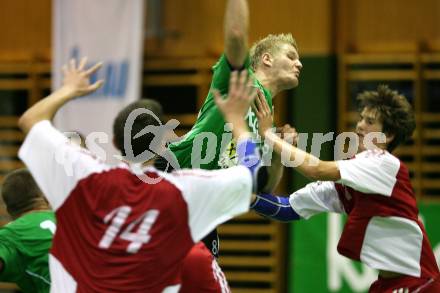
x: 136, y: 168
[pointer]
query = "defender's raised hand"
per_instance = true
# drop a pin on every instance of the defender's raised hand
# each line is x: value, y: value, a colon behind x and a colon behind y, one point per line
x: 241, y: 94
x: 77, y: 78
x: 235, y: 106
x: 76, y: 83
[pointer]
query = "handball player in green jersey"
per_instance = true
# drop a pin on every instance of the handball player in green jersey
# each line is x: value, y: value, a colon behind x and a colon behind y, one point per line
x: 274, y: 64
x: 25, y: 242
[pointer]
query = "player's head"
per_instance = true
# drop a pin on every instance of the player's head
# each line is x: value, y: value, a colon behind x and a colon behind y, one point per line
x: 386, y: 111
x: 277, y: 56
x: 141, y: 121
x: 21, y: 194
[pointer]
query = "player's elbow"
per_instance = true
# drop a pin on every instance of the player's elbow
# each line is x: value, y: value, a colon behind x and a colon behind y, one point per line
x: 29, y: 119
x: 25, y: 122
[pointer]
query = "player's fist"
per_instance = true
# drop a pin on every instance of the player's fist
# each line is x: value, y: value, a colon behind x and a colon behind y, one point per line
x: 288, y: 133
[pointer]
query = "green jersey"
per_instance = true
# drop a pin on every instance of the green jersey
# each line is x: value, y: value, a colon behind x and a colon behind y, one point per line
x: 209, y: 144
x: 24, y: 248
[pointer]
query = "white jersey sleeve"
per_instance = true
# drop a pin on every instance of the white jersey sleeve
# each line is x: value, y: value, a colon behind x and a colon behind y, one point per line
x: 315, y: 198
x: 56, y: 164
x: 213, y: 197
x: 371, y: 171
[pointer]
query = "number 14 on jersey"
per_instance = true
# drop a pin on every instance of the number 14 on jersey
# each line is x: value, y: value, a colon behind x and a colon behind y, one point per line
x: 118, y: 217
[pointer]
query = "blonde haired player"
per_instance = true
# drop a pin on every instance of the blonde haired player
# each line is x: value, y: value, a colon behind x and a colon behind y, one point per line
x: 274, y: 64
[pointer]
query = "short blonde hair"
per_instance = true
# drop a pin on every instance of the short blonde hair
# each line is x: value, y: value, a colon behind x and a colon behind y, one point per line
x: 271, y: 45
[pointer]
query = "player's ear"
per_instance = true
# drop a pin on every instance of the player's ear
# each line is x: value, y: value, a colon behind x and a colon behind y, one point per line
x: 266, y: 59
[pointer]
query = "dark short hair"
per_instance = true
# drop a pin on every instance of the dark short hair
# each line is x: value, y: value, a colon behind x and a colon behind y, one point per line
x: 20, y: 192
x: 394, y: 110
x: 141, y: 121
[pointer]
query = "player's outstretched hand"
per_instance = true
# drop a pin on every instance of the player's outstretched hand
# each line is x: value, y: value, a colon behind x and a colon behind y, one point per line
x: 239, y: 99
x: 77, y: 78
x: 264, y: 114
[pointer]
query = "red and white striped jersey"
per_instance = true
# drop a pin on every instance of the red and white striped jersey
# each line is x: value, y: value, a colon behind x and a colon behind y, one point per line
x: 115, y: 232
x: 383, y: 230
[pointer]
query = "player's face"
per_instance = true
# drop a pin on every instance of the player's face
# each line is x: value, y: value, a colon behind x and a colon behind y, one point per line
x: 286, y: 66
x: 369, y: 122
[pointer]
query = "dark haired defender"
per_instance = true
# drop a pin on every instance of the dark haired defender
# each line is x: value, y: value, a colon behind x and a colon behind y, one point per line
x: 128, y: 228
x: 383, y: 229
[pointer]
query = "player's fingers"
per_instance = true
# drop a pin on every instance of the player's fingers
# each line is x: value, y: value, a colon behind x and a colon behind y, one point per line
x: 263, y: 104
x: 261, y: 96
x: 255, y: 109
x: 93, y: 69
x: 258, y: 104
x: 250, y: 88
x: 242, y: 82
x: 96, y: 85
x: 233, y: 83
x: 82, y: 63
x: 253, y: 93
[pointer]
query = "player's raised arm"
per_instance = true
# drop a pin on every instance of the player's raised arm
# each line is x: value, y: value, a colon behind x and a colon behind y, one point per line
x: 76, y: 83
x: 236, y: 32
x: 311, y: 167
x: 55, y: 164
